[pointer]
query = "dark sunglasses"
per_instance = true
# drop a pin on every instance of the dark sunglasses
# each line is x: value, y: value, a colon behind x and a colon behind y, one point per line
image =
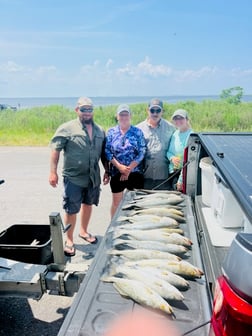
x: 178, y: 118
x: 86, y: 109
x: 155, y: 110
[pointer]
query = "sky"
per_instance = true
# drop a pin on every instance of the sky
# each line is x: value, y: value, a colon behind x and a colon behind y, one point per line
x: 62, y: 48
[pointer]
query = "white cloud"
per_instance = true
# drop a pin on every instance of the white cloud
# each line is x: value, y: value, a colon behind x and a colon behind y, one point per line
x: 10, y: 67
x: 43, y: 70
x: 109, y: 63
x: 90, y: 68
x: 107, y: 78
x: 188, y: 74
x: 145, y: 68
x: 238, y: 72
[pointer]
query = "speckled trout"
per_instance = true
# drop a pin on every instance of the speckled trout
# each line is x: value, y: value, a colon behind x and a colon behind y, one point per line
x: 174, y: 279
x: 161, y: 211
x: 136, y: 254
x: 183, y: 268
x: 149, y: 218
x: 159, y: 235
x: 147, y: 244
x: 148, y: 226
x: 140, y: 293
x: 163, y: 288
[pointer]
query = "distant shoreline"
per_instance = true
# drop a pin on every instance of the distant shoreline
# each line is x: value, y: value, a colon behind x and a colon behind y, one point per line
x: 70, y: 102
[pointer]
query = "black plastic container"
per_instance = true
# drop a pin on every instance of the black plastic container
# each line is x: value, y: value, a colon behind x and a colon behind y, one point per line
x: 29, y: 243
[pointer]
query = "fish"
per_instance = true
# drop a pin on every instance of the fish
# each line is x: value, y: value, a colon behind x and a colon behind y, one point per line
x: 156, y: 195
x: 159, y: 235
x: 148, y: 226
x: 157, y: 201
x: 168, y: 221
x: 183, y: 268
x: 144, y: 205
x: 136, y: 254
x: 160, y: 211
x: 139, y: 292
x: 146, y: 244
x: 162, y: 287
x: 174, y: 279
x: 147, y: 191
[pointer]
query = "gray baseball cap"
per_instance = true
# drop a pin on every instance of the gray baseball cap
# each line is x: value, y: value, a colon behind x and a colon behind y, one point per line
x: 123, y: 108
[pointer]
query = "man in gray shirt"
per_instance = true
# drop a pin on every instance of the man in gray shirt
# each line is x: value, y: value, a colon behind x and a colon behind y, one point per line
x: 82, y: 142
x: 157, y: 132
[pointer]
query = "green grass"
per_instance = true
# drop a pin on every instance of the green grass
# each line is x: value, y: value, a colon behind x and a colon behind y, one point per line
x: 36, y: 126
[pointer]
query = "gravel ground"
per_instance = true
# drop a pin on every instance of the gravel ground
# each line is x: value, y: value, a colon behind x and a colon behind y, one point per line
x: 27, y: 198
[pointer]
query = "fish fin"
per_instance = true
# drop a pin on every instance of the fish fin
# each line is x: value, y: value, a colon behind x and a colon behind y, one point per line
x: 122, y: 218
x: 107, y: 278
x: 121, y: 244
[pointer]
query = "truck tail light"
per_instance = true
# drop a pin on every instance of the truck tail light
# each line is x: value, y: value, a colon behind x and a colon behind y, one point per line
x: 232, y: 315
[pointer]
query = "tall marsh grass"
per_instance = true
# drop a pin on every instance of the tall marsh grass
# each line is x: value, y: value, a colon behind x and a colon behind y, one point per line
x: 35, y: 126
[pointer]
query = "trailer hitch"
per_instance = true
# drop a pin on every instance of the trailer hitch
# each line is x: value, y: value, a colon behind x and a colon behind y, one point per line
x: 56, y: 227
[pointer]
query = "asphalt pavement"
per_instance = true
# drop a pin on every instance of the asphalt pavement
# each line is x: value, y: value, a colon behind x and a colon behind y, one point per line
x: 27, y: 198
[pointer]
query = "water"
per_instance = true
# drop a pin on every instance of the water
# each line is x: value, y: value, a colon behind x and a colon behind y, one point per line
x: 70, y: 102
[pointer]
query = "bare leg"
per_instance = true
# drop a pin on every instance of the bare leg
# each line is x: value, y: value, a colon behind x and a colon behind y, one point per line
x: 85, y: 215
x: 70, y: 219
x: 116, y: 199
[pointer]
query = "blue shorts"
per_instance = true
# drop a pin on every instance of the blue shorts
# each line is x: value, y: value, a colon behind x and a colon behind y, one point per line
x: 75, y: 195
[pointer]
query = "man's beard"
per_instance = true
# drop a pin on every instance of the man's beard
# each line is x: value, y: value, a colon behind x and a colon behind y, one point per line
x: 87, y: 121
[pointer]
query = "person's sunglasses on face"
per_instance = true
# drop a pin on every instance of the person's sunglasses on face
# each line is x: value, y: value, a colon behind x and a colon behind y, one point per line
x: 86, y: 109
x: 178, y: 118
x: 155, y: 110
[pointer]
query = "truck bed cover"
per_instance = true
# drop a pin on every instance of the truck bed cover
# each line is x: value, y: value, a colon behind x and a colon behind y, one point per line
x: 232, y: 155
x: 96, y: 302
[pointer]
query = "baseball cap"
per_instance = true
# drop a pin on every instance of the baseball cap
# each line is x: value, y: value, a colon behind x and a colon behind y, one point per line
x: 181, y: 113
x: 155, y: 102
x: 84, y: 101
x: 123, y: 108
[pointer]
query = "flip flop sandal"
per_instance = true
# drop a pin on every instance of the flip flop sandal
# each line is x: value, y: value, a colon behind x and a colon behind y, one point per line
x: 69, y: 254
x: 87, y: 239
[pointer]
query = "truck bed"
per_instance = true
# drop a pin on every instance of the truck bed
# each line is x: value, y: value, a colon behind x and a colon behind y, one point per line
x: 213, y: 256
x: 232, y: 155
x: 96, y: 302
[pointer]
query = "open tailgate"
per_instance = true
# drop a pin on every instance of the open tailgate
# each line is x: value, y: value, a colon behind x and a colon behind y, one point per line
x: 97, y: 302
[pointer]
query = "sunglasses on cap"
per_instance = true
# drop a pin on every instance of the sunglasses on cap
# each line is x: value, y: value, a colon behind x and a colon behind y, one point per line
x: 155, y: 110
x: 86, y: 109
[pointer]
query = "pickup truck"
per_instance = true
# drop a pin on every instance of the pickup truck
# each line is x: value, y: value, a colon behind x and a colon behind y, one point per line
x: 218, y: 209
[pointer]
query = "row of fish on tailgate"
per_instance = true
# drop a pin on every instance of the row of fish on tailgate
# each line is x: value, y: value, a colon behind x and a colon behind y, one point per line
x: 148, y: 246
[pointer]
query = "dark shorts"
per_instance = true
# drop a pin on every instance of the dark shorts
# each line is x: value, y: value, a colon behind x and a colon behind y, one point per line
x: 135, y: 181
x: 75, y: 195
x: 151, y: 184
